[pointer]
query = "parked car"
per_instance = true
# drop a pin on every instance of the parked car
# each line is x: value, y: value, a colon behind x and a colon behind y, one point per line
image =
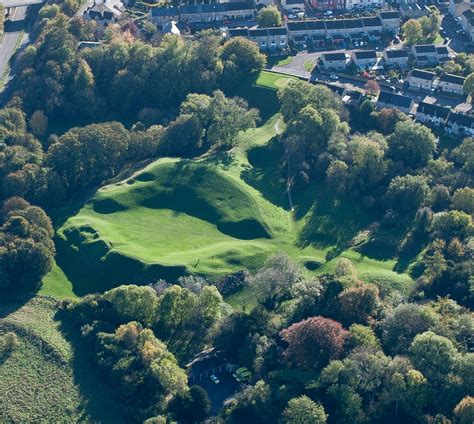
x: 333, y: 77
x: 214, y: 379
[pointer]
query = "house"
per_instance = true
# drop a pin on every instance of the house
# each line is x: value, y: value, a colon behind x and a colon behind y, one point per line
x: 425, y: 54
x: 443, y: 54
x: 460, y: 124
x: 333, y: 61
x: 292, y: 5
x: 396, y: 58
x: 390, y: 20
x: 214, y: 12
x: 267, y: 39
x: 390, y: 100
x: 104, y: 12
x: 421, y: 80
x: 364, y: 58
x: 467, y: 22
x: 458, y: 7
x: 451, y: 84
x: 431, y: 114
x: 409, y: 10
x: 362, y: 4
x: 328, y: 4
x: 371, y: 24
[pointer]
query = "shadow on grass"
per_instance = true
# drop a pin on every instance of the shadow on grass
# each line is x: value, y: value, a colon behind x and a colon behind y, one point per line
x: 100, y: 403
x: 265, y: 175
x: 333, y: 222
x: 264, y: 99
x: 93, y: 268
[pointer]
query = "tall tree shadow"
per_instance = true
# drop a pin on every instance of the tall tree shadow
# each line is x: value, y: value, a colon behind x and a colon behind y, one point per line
x: 100, y: 402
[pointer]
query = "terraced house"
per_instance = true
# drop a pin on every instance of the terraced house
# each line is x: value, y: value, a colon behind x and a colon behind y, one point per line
x: 451, y: 84
x: 333, y: 61
x: 396, y: 58
x: 394, y: 101
x: 431, y: 114
x: 467, y: 22
x: 364, y: 59
x: 268, y: 39
x: 214, y: 12
x: 421, y: 80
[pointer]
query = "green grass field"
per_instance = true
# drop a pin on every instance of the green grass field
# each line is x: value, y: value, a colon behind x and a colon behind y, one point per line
x: 209, y: 217
x: 45, y: 380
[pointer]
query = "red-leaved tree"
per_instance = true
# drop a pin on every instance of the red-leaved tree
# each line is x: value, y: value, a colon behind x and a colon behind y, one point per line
x: 313, y: 342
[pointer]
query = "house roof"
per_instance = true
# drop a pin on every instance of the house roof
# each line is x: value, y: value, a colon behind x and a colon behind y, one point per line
x: 395, y: 54
x: 258, y: 32
x: 353, y: 23
x: 164, y: 11
x: 191, y: 9
x: 296, y: 26
x: 294, y: 1
x: 469, y: 15
x: 238, y: 32
x: 389, y: 15
x: 277, y: 31
x: 453, y: 79
x: 395, y: 99
x: 372, y: 22
x: 331, y: 57
x: 365, y: 54
x: 461, y: 119
x: 336, y: 24
x: 433, y: 110
x: 425, y: 48
x: 317, y: 24
x: 442, y: 50
x: 418, y: 73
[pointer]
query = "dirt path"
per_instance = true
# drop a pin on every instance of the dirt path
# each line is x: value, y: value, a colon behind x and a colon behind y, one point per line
x: 288, y: 180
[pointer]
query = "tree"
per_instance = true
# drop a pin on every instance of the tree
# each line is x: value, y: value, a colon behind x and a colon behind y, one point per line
x: 430, y: 25
x: 372, y: 87
x: 387, y: 119
x: 358, y: 303
x: 38, y: 123
x: 269, y: 16
x: 241, y: 58
x: 412, y: 144
x: 435, y: 356
x: 412, y: 32
x: 303, y: 410
x: 273, y: 282
x: 403, y: 324
x: 220, y: 117
x: 26, y: 248
x: 464, y: 411
x: 406, y: 194
x: 452, y: 224
x: 362, y: 336
x: 134, y: 303
x: 2, y: 18
x: 464, y: 155
x: 337, y: 176
x: 191, y: 407
x: 468, y: 86
x: 89, y: 154
x: 344, y: 267
x: 463, y: 200
x: 182, y: 136
x: 313, y: 342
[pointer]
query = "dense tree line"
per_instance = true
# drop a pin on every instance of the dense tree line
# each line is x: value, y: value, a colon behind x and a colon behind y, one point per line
x: 392, y: 166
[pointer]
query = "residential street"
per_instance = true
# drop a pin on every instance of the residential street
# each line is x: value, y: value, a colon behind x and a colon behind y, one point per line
x: 16, y: 36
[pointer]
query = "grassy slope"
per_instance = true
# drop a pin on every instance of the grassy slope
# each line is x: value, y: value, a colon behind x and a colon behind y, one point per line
x: 209, y: 217
x: 44, y: 380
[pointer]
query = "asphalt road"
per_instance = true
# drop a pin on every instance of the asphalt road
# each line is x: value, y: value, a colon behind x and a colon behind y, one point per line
x: 14, y: 30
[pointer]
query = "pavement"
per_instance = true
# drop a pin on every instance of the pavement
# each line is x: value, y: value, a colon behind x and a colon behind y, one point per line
x: 16, y: 37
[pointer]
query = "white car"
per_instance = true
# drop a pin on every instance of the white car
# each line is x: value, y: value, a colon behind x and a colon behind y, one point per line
x: 333, y: 77
x: 214, y: 379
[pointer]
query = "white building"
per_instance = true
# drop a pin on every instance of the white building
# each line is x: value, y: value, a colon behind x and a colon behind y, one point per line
x: 421, y: 80
x: 396, y: 58
x: 467, y: 22
x: 451, y: 84
x: 364, y: 59
x: 431, y: 114
x: 333, y: 61
x: 458, y: 7
x: 104, y: 12
x: 362, y: 4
